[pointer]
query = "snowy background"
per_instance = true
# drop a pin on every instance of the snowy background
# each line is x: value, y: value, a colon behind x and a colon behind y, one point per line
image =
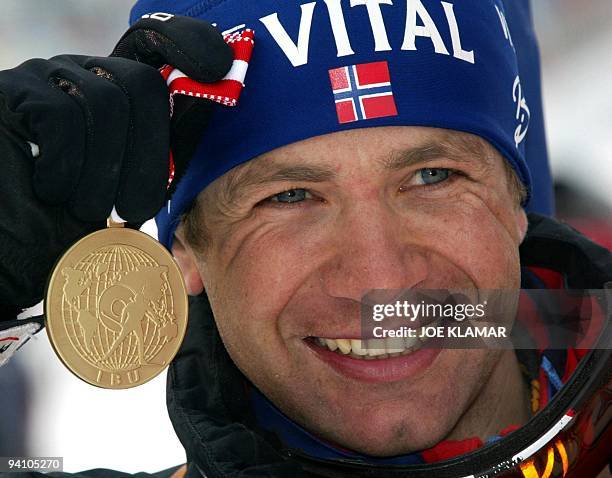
x: 129, y: 430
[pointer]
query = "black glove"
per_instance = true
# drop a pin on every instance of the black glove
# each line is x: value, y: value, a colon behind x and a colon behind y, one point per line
x: 103, y: 130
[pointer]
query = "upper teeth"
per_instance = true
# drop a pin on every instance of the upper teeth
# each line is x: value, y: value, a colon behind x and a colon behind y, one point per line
x: 380, y: 348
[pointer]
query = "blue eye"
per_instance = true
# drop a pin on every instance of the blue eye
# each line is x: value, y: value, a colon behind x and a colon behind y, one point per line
x: 291, y: 196
x: 432, y: 175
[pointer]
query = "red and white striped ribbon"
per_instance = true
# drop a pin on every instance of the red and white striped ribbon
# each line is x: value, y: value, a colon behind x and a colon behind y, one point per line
x: 226, y: 91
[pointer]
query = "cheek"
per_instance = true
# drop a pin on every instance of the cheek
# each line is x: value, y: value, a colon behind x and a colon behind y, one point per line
x: 250, y: 280
x: 470, y: 235
x: 262, y: 269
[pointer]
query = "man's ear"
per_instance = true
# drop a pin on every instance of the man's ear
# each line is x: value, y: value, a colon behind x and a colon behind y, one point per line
x: 188, y: 265
x: 522, y: 223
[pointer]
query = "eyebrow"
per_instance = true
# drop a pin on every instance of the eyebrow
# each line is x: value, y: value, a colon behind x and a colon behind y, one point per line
x: 253, y: 177
x: 314, y: 174
x: 403, y: 159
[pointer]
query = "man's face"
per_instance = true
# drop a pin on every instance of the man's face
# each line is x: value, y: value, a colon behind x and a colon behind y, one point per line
x: 298, y: 235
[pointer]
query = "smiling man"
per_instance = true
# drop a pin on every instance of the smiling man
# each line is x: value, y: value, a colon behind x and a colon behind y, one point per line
x: 376, y: 145
x: 386, y: 151
x: 392, y: 207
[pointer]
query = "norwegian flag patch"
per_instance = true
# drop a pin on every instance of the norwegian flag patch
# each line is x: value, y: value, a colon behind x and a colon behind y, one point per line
x: 362, y: 91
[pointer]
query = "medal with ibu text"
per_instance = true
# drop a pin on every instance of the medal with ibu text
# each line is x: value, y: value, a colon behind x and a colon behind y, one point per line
x: 116, y: 308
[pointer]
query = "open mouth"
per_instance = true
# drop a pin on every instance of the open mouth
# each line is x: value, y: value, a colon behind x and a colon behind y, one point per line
x: 374, y: 349
x: 376, y: 360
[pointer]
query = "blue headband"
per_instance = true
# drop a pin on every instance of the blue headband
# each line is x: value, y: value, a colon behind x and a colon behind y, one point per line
x: 332, y: 65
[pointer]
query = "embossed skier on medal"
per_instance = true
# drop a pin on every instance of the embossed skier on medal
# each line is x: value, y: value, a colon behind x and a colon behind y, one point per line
x: 116, y: 308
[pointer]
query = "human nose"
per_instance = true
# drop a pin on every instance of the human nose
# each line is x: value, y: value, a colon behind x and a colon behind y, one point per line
x: 372, y: 249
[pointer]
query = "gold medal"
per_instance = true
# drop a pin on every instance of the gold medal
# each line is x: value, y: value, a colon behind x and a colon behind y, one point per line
x: 116, y: 308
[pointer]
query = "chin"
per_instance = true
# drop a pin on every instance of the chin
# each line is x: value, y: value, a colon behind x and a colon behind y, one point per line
x: 387, y: 429
x: 399, y: 438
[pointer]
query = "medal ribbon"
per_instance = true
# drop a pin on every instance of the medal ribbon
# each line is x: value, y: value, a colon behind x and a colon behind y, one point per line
x: 225, y: 91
